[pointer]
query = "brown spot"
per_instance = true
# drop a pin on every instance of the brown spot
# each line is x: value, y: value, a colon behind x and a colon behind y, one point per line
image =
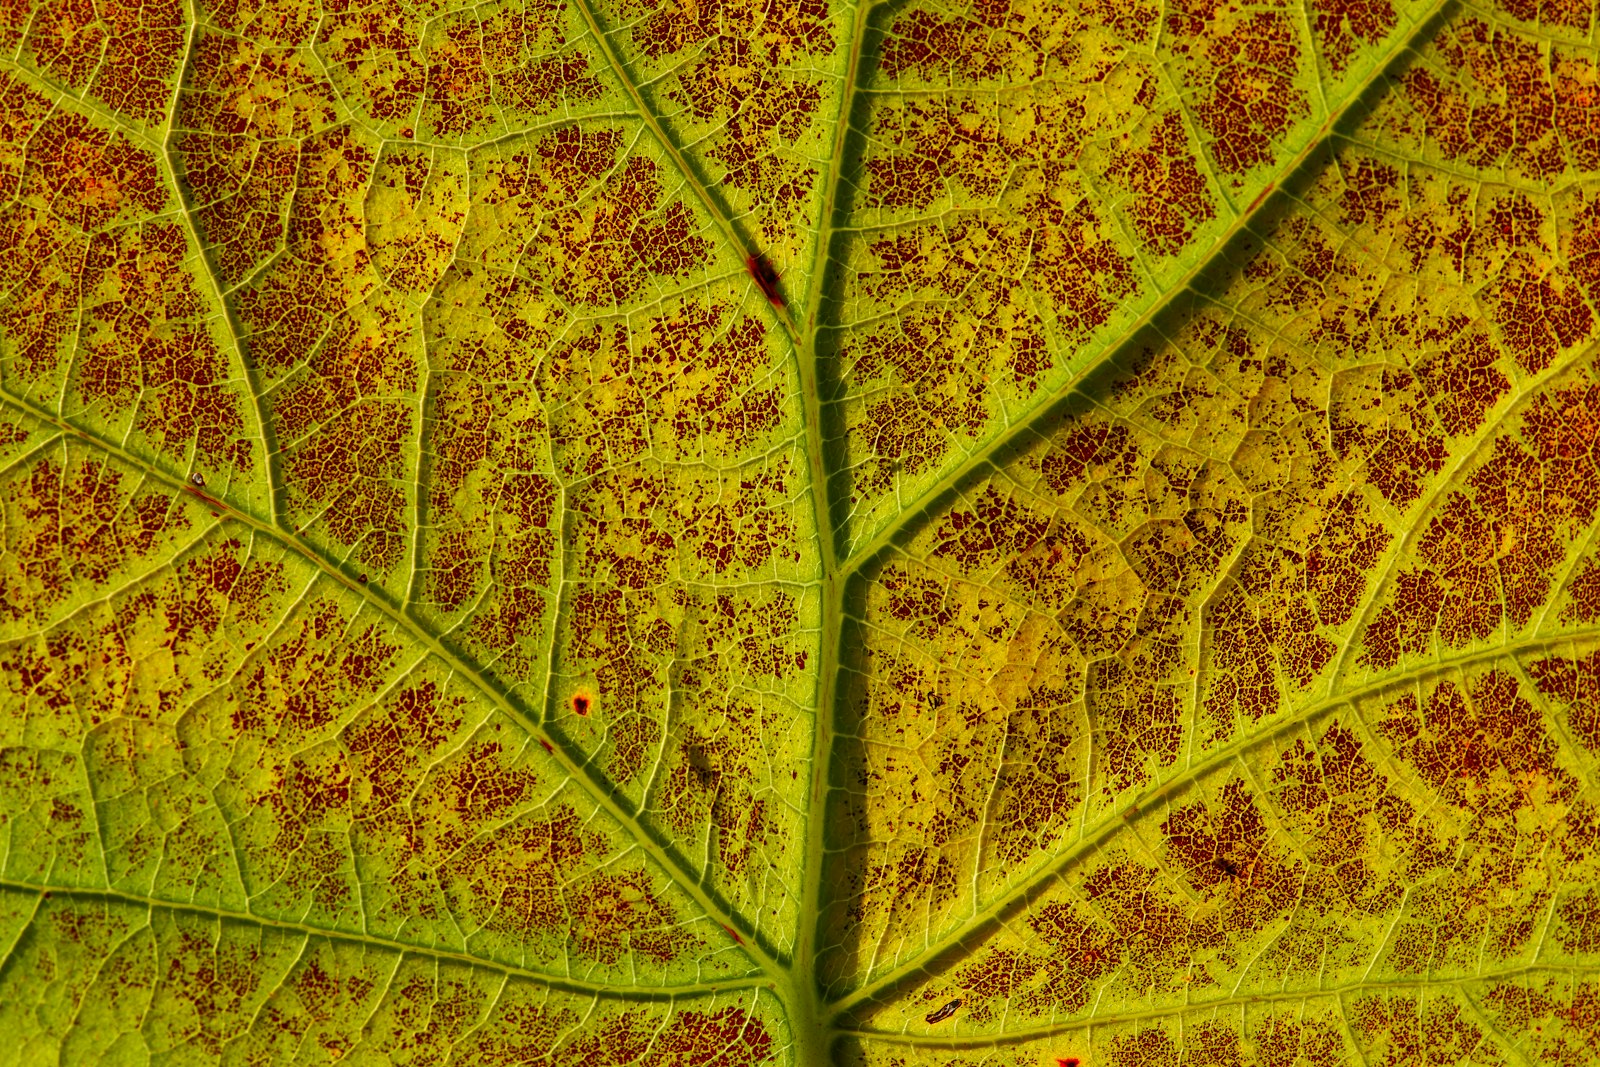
x: 1491, y: 97
x: 1489, y: 551
x: 1170, y: 198
x: 1342, y: 27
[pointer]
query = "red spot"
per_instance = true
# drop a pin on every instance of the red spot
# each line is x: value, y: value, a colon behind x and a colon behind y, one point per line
x: 766, y: 276
x: 733, y: 933
x: 548, y: 747
x: 362, y: 579
x: 1068, y: 1061
x: 580, y: 704
x: 1262, y: 195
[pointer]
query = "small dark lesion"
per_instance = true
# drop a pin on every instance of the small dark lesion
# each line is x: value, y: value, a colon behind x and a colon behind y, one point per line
x: 703, y: 763
x: 1228, y: 868
x: 941, y: 1014
x: 766, y: 276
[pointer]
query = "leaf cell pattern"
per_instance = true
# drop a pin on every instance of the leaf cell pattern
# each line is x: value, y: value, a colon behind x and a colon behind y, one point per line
x: 1031, y: 532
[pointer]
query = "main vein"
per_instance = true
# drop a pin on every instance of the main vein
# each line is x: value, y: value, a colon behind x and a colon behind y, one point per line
x: 806, y: 990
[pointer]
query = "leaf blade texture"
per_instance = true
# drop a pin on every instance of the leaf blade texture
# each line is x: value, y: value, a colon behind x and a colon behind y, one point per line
x: 798, y: 533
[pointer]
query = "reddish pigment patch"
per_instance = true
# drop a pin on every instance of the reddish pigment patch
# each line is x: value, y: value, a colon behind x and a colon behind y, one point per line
x: 766, y: 276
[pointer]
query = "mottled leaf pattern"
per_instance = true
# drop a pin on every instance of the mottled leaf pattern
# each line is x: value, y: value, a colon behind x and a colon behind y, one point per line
x: 714, y: 533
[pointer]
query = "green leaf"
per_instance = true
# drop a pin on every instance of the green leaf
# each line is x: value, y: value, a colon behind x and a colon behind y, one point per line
x: 731, y: 533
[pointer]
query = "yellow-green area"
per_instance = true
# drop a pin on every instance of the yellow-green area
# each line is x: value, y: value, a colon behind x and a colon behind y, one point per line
x: 714, y: 533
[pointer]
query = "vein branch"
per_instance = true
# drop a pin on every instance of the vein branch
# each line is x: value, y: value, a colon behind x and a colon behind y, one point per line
x: 1462, y: 983
x: 712, y: 204
x: 1023, y: 423
x: 600, y: 792
x: 1008, y: 904
x: 209, y: 270
x: 570, y: 985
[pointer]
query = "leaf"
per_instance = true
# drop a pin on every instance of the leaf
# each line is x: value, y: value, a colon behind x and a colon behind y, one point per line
x: 1042, y: 532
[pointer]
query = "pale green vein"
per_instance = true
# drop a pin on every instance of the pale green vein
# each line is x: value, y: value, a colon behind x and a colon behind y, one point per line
x: 1445, y: 481
x: 1385, y: 986
x: 9, y: 952
x: 1022, y: 424
x: 568, y: 985
x: 582, y: 773
x: 807, y: 1010
x: 57, y: 92
x: 202, y: 248
x: 686, y: 170
x: 1046, y: 877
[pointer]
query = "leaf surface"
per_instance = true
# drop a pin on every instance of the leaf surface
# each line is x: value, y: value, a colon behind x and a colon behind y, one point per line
x: 739, y: 533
